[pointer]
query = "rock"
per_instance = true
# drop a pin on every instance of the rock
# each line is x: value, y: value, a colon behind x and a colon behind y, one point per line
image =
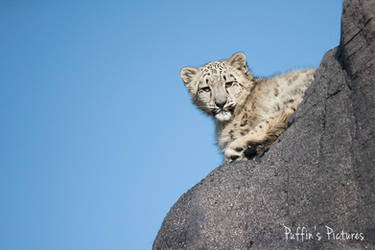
x: 320, y: 173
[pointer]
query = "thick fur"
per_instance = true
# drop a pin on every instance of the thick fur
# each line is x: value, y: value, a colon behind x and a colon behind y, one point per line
x: 250, y: 113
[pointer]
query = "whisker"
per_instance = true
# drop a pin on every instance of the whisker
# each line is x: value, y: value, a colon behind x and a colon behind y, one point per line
x: 204, y: 107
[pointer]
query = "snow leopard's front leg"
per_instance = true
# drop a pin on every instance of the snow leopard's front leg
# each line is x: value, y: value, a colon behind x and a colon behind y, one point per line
x: 245, y: 147
x: 258, y: 139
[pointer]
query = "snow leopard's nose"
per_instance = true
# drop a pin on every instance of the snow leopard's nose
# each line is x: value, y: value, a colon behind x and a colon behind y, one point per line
x: 220, y: 96
x: 220, y: 102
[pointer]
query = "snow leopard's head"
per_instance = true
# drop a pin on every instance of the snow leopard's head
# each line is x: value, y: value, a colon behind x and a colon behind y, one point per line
x: 217, y: 88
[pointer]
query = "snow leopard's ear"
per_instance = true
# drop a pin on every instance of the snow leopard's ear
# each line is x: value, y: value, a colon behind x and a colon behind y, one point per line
x: 238, y: 61
x: 187, y: 74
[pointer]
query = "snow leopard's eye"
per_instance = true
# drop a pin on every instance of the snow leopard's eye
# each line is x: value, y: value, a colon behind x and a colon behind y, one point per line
x: 228, y: 84
x: 206, y: 89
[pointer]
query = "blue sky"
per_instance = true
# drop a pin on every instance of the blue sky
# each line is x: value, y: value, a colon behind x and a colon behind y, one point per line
x: 98, y: 135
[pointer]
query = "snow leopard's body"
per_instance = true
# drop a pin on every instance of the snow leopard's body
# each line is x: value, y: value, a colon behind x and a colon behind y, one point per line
x: 250, y: 113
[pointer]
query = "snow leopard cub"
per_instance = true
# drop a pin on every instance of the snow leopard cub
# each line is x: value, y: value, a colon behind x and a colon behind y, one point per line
x: 250, y: 113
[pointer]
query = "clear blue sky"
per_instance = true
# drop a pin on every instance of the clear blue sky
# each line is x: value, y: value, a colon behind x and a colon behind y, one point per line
x: 98, y: 137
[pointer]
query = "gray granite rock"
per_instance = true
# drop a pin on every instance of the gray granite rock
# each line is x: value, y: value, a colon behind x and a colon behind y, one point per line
x: 320, y: 173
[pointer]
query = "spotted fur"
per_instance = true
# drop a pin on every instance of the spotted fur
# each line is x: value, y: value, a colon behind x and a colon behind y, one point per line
x: 250, y: 113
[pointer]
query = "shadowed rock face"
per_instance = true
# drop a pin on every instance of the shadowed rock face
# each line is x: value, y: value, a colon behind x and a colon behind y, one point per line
x: 320, y: 172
